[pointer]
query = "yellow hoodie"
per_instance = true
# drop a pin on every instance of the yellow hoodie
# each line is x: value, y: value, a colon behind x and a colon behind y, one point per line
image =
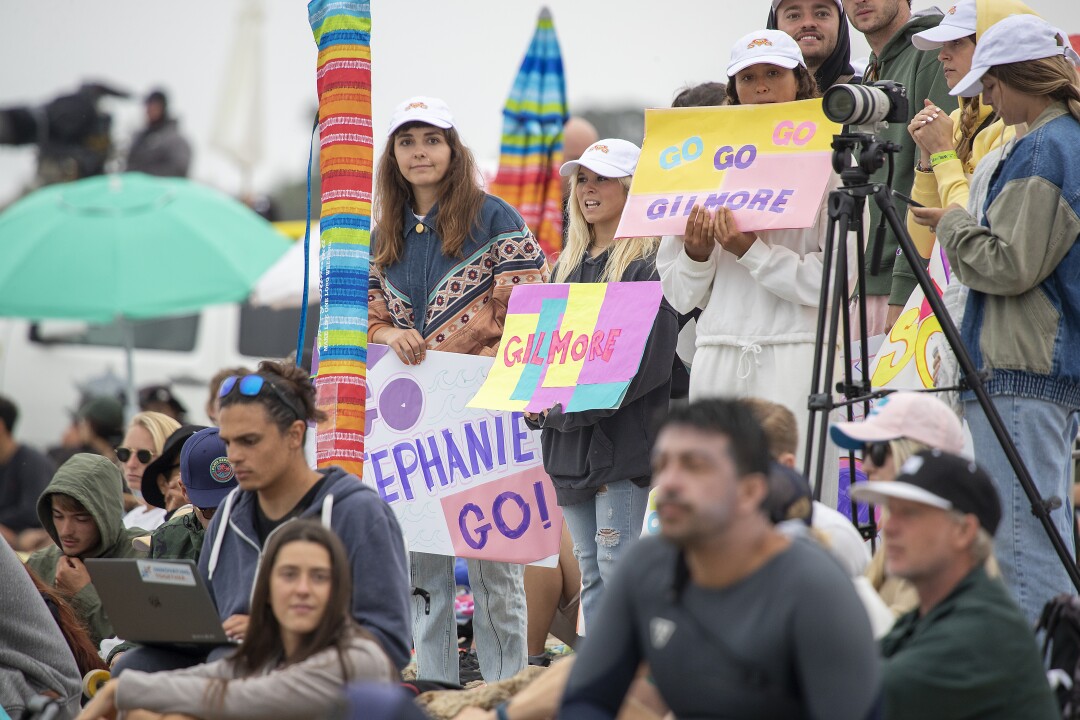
x: 948, y: 183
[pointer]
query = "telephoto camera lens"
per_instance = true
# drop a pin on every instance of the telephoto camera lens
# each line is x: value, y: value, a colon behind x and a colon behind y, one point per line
x: 855, y: 104
x: 866, y: 105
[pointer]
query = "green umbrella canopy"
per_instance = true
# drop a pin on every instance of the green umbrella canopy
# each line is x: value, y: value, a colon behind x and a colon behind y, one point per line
x: 131, y: 246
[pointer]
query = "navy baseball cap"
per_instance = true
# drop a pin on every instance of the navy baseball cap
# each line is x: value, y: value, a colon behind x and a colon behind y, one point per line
x: 205, y: 469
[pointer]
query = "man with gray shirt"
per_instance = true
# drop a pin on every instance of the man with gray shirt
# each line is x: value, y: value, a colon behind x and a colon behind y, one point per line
x: 734, y: 619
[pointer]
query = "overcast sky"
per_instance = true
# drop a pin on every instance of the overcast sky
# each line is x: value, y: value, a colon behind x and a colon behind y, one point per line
x: 616, y: 52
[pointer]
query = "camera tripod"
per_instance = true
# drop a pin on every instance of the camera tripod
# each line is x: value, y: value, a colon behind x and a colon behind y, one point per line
x: 845, y: 214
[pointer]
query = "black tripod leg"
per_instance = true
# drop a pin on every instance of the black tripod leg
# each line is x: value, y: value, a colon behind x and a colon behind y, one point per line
x: 830, y: 303
x: 974, y: 381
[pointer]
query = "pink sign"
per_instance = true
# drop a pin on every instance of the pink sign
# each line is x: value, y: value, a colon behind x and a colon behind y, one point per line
x: 516, y: 520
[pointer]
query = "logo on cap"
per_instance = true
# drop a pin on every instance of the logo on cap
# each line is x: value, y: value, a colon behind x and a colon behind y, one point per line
x: 601, y: 148
x: 952, y: 10
x: 760, y: 42
x: 221, y: 470
x: 415, y: 105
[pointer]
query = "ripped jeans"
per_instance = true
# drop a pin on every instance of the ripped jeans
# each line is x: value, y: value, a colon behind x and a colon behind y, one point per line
x: 602, y: 529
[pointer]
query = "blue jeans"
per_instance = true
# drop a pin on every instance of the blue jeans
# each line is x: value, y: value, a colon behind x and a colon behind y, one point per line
x: 499, y: 618
x: 1044, y: 433
x: 602, y: 529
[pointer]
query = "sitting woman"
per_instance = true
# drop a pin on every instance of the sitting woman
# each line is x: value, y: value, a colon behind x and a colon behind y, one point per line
x: 301, y: 652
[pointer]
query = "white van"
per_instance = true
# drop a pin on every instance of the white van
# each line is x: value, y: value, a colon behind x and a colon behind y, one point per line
x: 44, y: 364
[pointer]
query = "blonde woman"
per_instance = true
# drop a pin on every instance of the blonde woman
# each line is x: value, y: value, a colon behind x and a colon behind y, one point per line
x: 599, y: 460
x: 143, y: 442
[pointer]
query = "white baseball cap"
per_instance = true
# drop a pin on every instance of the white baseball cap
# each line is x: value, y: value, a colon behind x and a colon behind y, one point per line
x: 610, y: 158
x: 428, y: 110
x: 774, y: 47
x: 1017, y: 38
x: 959, y: 22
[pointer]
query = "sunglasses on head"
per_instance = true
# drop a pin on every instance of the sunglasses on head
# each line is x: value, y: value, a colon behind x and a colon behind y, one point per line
x: 877, y: 452
x: 124, y: 454
x: 253, y: 386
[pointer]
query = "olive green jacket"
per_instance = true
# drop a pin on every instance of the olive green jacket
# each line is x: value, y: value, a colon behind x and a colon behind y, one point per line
x: 95, y: 483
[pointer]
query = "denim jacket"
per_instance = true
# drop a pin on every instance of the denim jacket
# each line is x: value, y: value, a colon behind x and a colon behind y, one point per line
x: 456, y: 304
x: 1022, y: 321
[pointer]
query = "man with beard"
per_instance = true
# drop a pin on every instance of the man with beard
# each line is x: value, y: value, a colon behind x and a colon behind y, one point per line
x: 888, y: 26
x: 731, y: 616
x: 820, y: 27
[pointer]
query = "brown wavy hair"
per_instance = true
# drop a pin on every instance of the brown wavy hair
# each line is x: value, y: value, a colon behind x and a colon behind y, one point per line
x: 459, y: 196
x: 72, y: 628
x: 1054, y: 77
x: 262, y: 645
x: 294, y: 384
x: 806, y: 87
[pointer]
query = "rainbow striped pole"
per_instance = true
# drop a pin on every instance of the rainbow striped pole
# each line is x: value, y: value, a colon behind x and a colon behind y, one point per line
x: 342, y: 30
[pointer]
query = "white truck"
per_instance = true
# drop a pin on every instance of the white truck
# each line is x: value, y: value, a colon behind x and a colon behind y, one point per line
x: 44, y: 365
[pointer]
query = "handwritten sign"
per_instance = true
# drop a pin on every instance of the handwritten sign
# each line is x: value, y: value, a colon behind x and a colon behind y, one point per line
x: 769, y: 164
x: 906, y: 358
x: 577, y: 344
x: 462, y: 482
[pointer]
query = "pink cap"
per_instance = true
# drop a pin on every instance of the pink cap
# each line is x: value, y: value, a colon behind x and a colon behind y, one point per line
x: 914, y: 415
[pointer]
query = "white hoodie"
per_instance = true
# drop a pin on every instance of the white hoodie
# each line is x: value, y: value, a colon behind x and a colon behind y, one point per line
x: 768, y: 296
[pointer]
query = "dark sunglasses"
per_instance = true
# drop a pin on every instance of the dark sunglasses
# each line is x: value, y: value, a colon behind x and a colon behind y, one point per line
x: 252, y: 386
x: 124, y: 454
x: 207, y: 512
x: 877, y: 452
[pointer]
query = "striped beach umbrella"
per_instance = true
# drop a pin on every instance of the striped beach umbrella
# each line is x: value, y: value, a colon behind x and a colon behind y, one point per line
x: 532, y: 139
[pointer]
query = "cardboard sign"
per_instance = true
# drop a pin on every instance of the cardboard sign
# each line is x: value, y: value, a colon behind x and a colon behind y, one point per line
x: 770, y: 164
x: 462, y: 482
x: 908, y: 354
x: 578, y: 345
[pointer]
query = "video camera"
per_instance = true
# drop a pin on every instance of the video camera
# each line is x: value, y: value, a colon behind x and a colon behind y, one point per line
x: 71, y: 133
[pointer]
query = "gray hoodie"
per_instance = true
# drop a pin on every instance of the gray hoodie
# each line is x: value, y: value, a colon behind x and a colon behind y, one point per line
x: 34, y: 657
x: 230, y: 556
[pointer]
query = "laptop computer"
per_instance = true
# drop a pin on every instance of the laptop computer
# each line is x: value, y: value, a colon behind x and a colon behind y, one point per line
x: 157, y: 602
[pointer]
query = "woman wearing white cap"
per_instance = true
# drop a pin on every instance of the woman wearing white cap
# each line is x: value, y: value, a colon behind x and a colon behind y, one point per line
x: 951, y: 146
x: 759, y: 292
x: 445, y: 258
x: 599, y: 460
x: 1021, y: 260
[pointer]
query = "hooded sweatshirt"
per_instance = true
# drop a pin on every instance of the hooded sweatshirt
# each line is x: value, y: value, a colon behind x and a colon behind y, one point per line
x: 920, y: 72
x: 837, y: 67
x: 949, y: 181
x: 34, y: 657
x: 366, y: 525
x: 95, y: 482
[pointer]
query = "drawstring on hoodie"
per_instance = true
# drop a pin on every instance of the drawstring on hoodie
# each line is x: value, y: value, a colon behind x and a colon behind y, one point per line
x: 216, y: 549
x: 749, y: 353
x: 325, y: 517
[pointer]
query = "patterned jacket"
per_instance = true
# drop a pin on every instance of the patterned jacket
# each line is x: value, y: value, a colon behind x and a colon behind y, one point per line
x: 456, y: 304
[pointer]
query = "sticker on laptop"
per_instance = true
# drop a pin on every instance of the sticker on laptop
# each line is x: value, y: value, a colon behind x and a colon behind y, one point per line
x: 165, y: 573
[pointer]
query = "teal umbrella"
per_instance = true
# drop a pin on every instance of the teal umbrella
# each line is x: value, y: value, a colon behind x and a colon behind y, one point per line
x: 129, y: 246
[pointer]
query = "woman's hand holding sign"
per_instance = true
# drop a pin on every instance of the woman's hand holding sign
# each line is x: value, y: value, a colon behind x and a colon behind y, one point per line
x: 728, y: 234
x: 699, y: 238
x: 406, y: 342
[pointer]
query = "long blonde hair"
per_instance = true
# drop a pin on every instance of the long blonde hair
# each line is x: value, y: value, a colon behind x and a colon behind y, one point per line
x: 159, y: 425
x: 579, y: 236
